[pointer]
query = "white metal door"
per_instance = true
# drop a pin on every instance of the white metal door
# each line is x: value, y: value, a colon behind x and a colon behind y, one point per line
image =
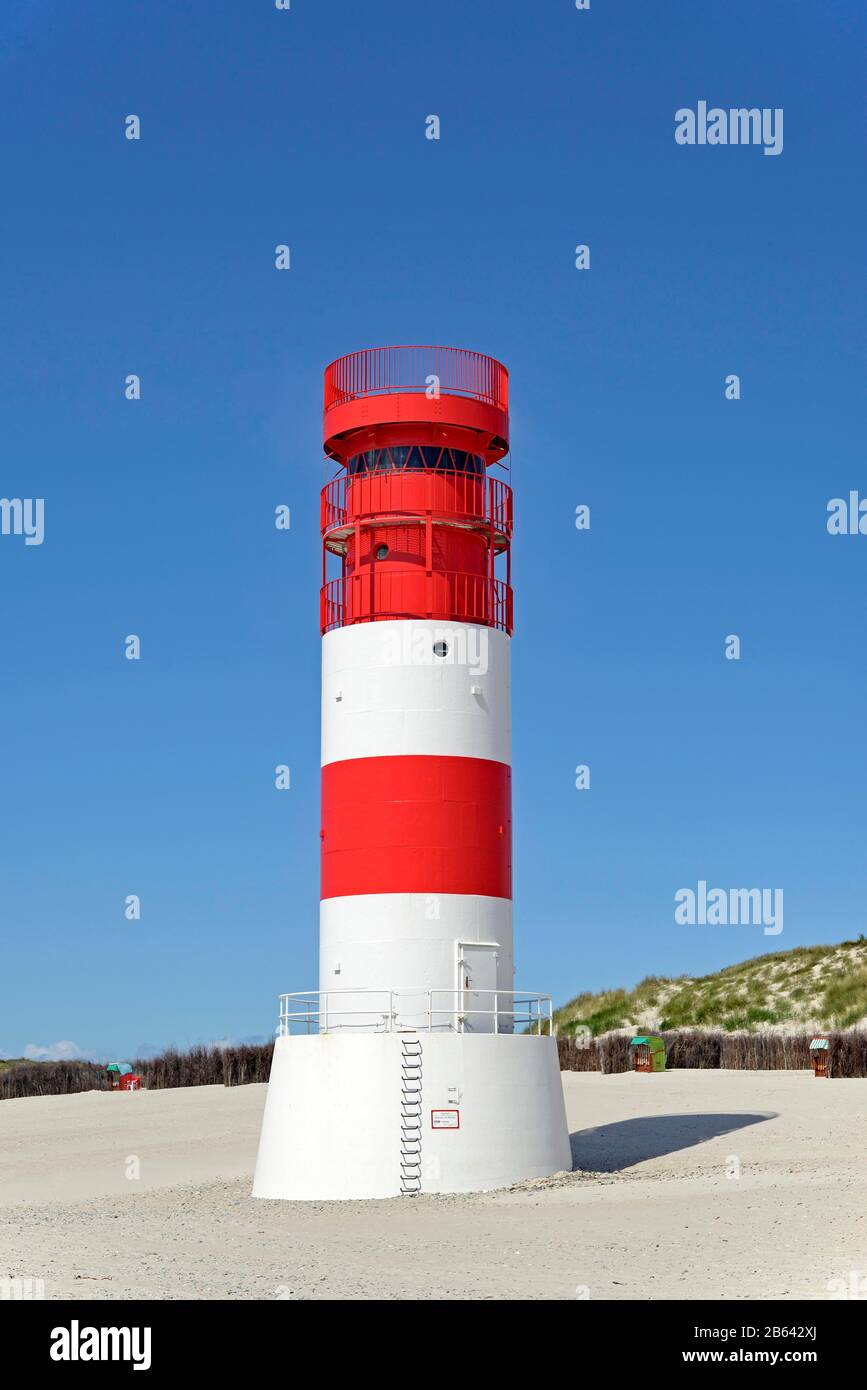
x: 477, y: 985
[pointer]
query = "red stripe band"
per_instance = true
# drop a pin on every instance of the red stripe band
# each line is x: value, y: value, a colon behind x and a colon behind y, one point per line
x: 416, y: 825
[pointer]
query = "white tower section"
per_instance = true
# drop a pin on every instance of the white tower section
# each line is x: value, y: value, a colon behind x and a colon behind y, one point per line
x: 386, y: 694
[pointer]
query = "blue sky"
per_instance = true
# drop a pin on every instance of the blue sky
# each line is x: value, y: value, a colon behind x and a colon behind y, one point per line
x: 708, y: 516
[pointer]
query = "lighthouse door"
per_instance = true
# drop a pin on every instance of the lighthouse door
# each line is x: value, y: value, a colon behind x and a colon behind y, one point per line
x: 477, y: 986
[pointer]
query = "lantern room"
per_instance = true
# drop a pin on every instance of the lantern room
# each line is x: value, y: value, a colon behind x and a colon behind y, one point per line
x: 418, y: 525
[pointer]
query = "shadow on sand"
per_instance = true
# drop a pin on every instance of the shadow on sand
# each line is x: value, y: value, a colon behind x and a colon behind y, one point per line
x: 609, y: 1148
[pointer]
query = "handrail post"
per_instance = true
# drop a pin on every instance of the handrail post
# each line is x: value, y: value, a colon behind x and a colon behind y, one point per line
x: 323, y: 1013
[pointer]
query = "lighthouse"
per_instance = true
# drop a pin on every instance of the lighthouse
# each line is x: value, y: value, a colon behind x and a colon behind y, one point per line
x: 417, y: 1065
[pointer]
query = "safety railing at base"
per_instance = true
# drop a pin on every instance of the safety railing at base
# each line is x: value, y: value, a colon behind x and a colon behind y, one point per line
x: 420, y: 1010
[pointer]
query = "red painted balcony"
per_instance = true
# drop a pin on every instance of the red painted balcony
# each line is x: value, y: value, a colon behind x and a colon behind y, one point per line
x: 414, y: 592
x: 473, y: 501
x: 398, y: 370
x: 422, y: 395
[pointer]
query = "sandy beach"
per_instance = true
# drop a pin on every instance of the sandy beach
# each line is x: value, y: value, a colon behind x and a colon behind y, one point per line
x: 713, y: 1184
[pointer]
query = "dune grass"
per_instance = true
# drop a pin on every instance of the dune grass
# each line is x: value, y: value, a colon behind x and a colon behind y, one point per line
x: 808, y: 987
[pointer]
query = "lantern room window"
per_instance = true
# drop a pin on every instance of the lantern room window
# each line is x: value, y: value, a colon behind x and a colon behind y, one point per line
x: 416, y: 458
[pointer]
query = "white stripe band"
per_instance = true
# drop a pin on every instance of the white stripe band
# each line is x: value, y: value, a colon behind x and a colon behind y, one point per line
x: 416, y: 687
x: 409, y: 939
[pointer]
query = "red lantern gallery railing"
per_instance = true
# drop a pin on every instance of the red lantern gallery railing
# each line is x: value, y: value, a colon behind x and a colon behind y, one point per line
x: 464, y: 499
x: 413, y: 592
x: 387, y: 370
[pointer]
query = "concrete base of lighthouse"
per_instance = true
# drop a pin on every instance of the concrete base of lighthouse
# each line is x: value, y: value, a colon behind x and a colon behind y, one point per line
x: 381, y: 1114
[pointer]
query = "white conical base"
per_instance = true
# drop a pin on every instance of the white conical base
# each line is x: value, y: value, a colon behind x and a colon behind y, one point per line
x: 337, y: 1116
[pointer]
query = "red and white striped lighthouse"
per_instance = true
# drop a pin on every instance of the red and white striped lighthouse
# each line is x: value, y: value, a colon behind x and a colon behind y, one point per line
x: 416, y: 1050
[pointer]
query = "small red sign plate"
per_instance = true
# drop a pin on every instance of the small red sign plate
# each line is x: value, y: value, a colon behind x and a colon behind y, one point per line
x: 445, y: 1119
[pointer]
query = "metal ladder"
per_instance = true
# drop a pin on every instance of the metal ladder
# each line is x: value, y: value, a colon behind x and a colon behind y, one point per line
x: 410, y: 1117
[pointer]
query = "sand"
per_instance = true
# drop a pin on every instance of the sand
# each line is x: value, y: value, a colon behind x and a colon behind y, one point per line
x: 650, y: 1210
